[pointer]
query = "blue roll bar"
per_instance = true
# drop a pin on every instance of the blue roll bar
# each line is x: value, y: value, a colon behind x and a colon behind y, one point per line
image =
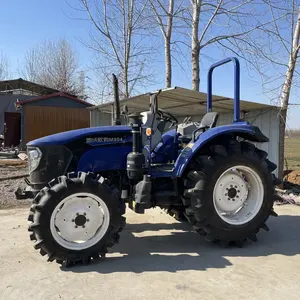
x: 236, y: 85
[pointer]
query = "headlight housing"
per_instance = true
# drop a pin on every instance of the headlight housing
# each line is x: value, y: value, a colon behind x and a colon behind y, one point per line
x: 34, y: 158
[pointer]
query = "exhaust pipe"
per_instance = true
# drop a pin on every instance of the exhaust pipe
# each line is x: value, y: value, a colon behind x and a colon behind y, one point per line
x: 136, y: 158
x: 117, y: 118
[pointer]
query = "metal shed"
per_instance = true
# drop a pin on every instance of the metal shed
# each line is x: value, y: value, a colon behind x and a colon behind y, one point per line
x: 183, y: 102
x: 53, y: 113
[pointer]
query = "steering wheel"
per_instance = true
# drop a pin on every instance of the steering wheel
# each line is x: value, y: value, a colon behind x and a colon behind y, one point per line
x: 168, y: 117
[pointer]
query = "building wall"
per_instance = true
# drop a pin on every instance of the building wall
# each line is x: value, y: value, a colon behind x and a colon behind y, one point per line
x: 41, y: 121
x: 58, y: 111
x: 98, y: 118
x: 267, y: 120
x: 7, y: 104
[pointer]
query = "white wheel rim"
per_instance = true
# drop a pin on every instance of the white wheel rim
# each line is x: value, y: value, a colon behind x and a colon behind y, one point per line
x: 238, y: 195
x: 79, y: 221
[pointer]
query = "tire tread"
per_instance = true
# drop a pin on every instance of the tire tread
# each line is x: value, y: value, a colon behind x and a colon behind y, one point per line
x: 39, y: 206
x: 200, y: 217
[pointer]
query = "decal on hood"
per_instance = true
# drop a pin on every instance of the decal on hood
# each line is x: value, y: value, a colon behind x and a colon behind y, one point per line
x: 107, y: 140
x: 104, y: 139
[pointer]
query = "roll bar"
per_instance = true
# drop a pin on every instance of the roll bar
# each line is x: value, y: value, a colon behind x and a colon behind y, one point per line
x: 236, y: 85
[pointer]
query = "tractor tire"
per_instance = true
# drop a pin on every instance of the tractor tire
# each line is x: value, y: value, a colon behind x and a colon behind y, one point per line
x: 229, y: 192
x: 76, y: 218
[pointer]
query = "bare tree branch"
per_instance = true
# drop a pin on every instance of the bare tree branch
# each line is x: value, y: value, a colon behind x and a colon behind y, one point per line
x: 159, y: 19
x: 119, y: 40
x: 276, y: 27
x: 4, y: 66
x: 210, y: 21
x: 55, y: 64
x: 165, y: 11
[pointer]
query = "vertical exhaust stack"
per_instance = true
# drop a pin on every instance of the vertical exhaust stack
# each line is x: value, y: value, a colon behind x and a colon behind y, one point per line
x: 117, y: 118
x: 136, y: 159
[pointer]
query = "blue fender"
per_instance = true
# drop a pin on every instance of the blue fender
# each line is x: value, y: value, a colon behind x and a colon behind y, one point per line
x: 241, y: 129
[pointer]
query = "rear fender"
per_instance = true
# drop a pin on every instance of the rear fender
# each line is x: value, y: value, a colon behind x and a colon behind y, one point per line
x: 241, y: 129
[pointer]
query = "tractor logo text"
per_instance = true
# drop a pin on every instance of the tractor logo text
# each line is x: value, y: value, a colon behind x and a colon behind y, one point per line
x: 104, y: 139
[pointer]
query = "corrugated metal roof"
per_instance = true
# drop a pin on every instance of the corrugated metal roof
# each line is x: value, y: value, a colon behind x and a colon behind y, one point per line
x: 181, y: 102
x: 21, y: 84
x: 59, y: 94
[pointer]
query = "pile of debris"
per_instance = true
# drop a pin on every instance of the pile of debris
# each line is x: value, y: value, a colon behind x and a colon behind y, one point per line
x: 13, y: 173
x: 12, y: 161
x: 9, y: 153
x: 290, y: 194
x: 12, y: 153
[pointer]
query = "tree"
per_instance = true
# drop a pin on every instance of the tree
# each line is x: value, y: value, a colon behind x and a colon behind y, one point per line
x: 275, y: 57
x: 54, y: 64
x: 81, y: 86
x: 286, y: 90
x: 3, y: 66
x: 120, y: 41
x: 267, y: 39
x: 223, y: 23
x: 162, y: 12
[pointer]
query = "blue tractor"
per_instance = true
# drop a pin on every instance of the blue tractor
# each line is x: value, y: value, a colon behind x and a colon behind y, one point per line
x: 213, y: 177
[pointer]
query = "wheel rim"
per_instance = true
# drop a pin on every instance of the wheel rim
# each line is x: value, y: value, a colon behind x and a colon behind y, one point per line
x: 238, y: 195
x: 79, y: 221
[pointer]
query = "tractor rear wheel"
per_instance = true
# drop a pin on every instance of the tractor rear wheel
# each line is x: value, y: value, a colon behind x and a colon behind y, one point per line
x: 229, y: 192
x: 76, y: 218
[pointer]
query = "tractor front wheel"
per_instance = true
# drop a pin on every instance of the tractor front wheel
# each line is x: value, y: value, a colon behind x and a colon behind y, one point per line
x: 76, y: 218
x: 229, y: 193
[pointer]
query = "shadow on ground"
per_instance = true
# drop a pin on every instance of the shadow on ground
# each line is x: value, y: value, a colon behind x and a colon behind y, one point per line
x: 186, y: 250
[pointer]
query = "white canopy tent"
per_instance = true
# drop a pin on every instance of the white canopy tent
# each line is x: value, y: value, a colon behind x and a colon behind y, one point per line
x: 183, y: 102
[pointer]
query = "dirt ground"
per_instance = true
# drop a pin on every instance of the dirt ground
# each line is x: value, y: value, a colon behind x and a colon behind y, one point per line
x: 293, y: 176
x: 157, y: 258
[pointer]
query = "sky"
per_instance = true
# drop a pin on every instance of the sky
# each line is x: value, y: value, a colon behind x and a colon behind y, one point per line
x: 25, y: 23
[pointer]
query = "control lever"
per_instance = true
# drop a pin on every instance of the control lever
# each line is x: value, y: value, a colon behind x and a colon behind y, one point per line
x: 187, y: 120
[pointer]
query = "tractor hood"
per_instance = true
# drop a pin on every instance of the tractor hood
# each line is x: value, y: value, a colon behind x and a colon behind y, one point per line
x: 69, y: 136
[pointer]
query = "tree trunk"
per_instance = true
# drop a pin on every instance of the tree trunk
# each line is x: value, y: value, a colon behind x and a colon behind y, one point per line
x: 168, y: 63
x: 195, y: 46
x: 285, y: 94
x: 126, y: 84
x: 283, y: 113
x: 168, y: 59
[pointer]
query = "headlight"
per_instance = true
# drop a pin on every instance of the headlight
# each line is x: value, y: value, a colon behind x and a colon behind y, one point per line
x: 34, y: 157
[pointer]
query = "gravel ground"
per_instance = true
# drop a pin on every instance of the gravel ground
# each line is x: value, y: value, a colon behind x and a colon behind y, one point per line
x: 8, y: 187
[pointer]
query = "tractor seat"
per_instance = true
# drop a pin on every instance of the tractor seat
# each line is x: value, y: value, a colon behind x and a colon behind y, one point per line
x: 208, y: 121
